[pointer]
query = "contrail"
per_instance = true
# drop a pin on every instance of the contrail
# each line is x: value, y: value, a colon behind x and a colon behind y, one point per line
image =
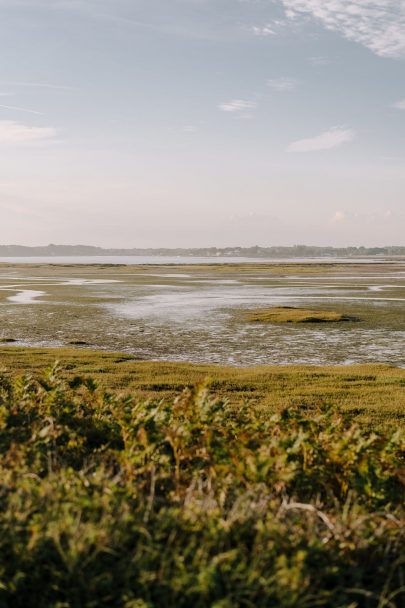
x: 21, y: 110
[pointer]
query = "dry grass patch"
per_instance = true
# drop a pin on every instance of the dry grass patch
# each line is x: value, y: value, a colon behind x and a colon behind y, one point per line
x: 290, y: 314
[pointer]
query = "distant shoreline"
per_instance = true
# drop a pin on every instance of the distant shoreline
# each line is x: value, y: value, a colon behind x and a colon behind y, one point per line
x: 176, y: 260
x: 296, y: 252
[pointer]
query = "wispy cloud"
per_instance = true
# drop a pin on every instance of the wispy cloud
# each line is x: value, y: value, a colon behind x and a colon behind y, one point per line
x: 377, y: 24
x: 327, y: 140
x: 237, y: 105
x: 189, y: 129
x: 263, y: 30
x: 18, y: 109
x: 376, y: 217
x: 282, y: 84
x: 12, y: 132
x: 319, y: 61
x: 399, y: 105
x: 338, y: 217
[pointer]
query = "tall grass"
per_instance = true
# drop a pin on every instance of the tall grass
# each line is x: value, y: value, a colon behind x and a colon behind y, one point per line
x: 109, y: 501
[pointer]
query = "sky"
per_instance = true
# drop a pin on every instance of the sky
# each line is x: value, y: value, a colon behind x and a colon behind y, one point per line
x: 190, y: 123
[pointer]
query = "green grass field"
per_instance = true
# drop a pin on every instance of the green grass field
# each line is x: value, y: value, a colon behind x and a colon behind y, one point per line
x: 374, y: 394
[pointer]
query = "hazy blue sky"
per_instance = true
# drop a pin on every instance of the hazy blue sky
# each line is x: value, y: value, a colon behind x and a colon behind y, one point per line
x: 202, y: 122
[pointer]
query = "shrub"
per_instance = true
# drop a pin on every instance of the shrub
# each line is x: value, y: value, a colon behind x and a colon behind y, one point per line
x: 109, y: 501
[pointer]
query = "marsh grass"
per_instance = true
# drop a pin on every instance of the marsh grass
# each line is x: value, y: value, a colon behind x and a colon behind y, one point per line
x: 372, y: 394
x: 111, y: 500
x: 291, y: 314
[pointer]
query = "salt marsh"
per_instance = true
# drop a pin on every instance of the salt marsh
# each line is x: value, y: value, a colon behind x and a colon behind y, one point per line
x: 189, y: 312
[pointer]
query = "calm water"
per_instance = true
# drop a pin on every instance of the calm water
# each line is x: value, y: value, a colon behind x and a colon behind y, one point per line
x: 135, y: 259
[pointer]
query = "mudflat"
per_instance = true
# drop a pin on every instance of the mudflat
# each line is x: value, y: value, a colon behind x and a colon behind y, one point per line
x: 191, y: 313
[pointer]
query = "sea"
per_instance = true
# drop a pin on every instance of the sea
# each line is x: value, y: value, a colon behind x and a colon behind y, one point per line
x: 137, y: 259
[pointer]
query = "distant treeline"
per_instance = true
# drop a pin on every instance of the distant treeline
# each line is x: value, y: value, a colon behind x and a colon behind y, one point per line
x: 295, y: 251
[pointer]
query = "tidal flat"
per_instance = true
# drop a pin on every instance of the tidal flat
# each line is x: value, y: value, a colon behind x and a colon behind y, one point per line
x: 192, y: 312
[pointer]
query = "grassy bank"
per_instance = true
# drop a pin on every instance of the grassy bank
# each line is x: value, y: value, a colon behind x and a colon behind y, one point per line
x: 373, y: 394
x: 111, y: 501
x: 290, y: 314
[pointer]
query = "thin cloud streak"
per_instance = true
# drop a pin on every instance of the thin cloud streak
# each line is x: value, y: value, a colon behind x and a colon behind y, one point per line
x: 237, y: 105
x: 282, y: 84
x: 399, y: 105
x: 12, y: 132
x: 18, y: 109
x: 263, y: 30
x: 324, y: 141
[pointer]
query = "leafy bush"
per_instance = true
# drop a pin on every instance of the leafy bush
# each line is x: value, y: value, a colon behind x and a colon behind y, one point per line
x: 108, y: 501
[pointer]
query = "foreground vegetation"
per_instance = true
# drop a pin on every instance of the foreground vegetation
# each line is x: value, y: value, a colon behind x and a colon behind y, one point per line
x: 290, y: 314
x: 374, y: 395
x: 109, y: 500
